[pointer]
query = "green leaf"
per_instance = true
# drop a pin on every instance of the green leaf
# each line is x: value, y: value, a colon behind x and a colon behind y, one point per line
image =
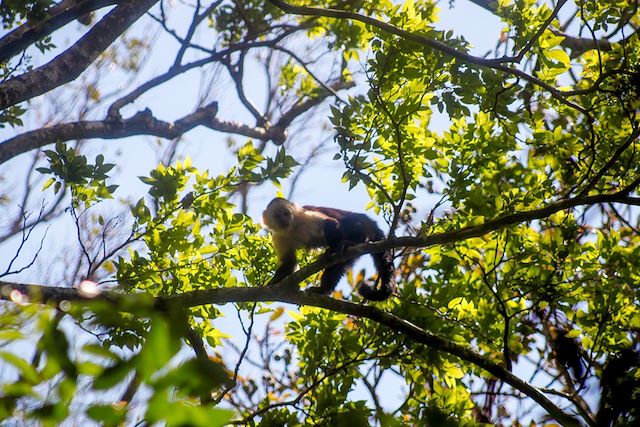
x: 48, y: 183
x: 182, y: 413
x: 196, y: 377
x: 26, y: 370
x: 559, y: 55
x: 160, y: 346
x: 113, y: 375
x: 574, y: 333
x: 110, y: 415
x: 55, y: 344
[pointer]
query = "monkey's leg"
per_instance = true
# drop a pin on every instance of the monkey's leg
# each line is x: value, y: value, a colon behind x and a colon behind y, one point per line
x: 330, y: 278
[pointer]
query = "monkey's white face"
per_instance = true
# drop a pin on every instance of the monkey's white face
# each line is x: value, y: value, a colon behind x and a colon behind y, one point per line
x: 278, y: 215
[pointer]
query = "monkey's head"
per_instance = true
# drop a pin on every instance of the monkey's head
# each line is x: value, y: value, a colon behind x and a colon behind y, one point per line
x: 279, y: 214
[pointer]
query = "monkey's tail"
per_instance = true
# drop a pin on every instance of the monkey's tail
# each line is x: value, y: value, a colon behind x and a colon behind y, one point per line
x: 384, y: 264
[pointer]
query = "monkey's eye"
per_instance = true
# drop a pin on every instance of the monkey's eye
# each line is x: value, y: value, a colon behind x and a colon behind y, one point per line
x: 283, y: 218
x: 283, y: 215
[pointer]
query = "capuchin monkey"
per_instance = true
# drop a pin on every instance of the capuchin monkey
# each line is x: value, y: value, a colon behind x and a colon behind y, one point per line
x: 296, y: 227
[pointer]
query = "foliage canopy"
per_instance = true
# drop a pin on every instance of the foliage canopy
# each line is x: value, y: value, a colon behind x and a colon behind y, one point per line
x: 519, y: 285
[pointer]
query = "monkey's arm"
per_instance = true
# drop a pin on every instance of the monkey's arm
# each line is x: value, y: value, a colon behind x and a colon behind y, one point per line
x: 333, y: 235
x: 287, y: 266
x: 336, y: 242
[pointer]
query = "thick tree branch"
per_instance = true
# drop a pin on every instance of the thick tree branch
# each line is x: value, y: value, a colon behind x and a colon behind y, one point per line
x: 580, y: 45
x: 461, y: 234
x: 27, y: 34
x: 291, y: 282
x: 287, y: 291
x: 142, y: 123
x: 282, y: 294
x: 71, y: 63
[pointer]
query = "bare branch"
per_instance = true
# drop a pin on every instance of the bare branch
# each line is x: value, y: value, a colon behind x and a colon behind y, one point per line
x: 47, y: 214
x: 142, y: 123
x: 61, y: 14
x: 114, y: 109
x: 70, y: 64
x: 196, y: 20
x: 236, y: 71
x: 580, y: 45
x: 26, y: 234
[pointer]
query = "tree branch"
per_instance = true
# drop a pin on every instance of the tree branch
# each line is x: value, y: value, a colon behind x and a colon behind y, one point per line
x: 540, y: 31
x: 287, y: 291
x: 142, y: 123
x: 71, y: 63
x: 114, y: 110
x: 468, y: 232
x: 64, y: 68
x: 27, y: 34
x: 603, y: 170
x: 580, y: 45
x: 283, y: 294
x: 496, y: 64
x: 291, y: 282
